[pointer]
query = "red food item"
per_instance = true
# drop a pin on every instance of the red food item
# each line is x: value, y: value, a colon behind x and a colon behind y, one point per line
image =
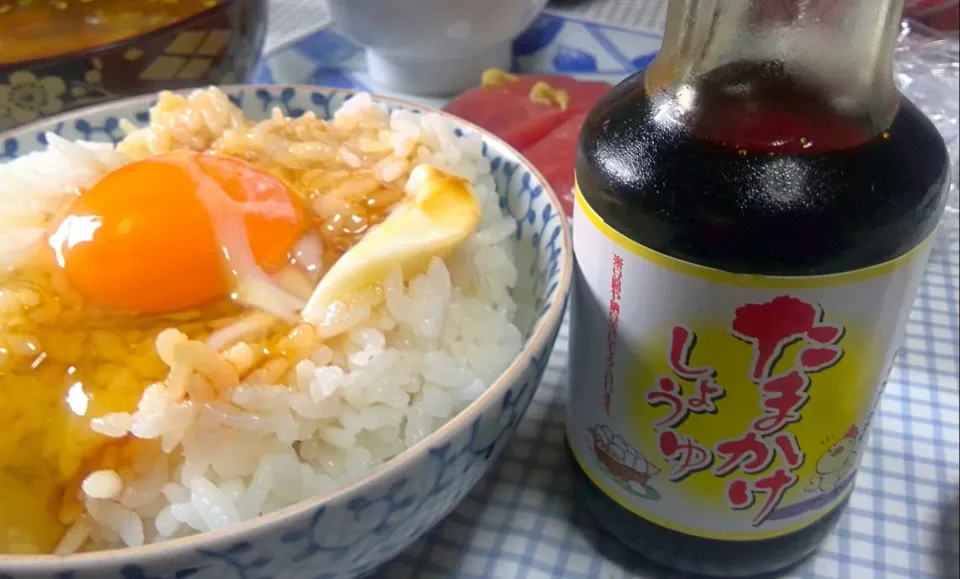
x: 512, y: 117
x: 545, y: 133
x: 583, y: 93
x: 555, y: 157
x: 943, y: 15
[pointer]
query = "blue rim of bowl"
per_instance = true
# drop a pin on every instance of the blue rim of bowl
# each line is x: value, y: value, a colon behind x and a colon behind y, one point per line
x: 539, y: 335
x: 95, y: 51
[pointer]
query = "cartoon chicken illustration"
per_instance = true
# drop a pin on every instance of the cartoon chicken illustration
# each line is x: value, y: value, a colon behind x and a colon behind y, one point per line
x: 627, y: 465
x: 836, y: 463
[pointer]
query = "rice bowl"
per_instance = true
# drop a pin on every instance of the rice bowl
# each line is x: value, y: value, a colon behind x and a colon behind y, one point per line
x: 392, y: 374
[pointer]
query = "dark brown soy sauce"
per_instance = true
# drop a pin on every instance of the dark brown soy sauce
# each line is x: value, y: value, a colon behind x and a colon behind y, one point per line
x: 767, y: 179
x: 763, y: 176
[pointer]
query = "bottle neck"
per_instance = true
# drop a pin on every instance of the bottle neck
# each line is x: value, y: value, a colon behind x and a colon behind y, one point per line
x: 842, y: 49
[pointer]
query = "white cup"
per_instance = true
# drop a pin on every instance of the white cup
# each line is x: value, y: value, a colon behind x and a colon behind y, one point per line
x: 434, y: 47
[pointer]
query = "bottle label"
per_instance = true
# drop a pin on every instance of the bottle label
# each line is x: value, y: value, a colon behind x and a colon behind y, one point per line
x: 721, y: 405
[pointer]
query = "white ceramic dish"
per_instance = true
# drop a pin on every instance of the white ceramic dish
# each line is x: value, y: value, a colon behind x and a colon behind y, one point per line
x: 434, y: 47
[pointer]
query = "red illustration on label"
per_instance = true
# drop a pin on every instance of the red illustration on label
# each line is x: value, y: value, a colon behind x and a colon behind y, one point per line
x: 668, y: 391
x: 783, y: 397
x: 613, y: 324
x: 708, y: 392
x: 770, y: 328
x: 684, y: 453
x: 793, y: 320
x: 742, y: 493
x: 681, y: 346
x: 753, y: 454
x: 749, y: 453
x: 789, y: 449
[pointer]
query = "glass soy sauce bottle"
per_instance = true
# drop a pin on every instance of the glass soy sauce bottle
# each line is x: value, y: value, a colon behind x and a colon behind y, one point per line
x: 754, y: 215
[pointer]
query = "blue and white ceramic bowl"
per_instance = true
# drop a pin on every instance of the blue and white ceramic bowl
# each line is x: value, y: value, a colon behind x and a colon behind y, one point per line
x: 357, y: 528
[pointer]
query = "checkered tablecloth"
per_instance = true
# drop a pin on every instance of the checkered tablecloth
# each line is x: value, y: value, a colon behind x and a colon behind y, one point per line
x: 521, y: 521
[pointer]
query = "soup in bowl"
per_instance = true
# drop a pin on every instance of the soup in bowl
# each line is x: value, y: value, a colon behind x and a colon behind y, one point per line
x: 287, y: 327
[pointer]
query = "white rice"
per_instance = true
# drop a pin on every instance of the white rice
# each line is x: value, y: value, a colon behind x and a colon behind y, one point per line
x: 402, y: 368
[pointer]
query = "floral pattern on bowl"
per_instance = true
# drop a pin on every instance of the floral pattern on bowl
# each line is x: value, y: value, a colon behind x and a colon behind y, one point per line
x: 219, y: 45
x: 369, y: 522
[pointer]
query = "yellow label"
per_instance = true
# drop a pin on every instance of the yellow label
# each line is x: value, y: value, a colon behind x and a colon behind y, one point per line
x: 722, y: 405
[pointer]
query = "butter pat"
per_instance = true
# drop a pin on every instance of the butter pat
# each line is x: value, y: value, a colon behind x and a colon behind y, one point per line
x: 438, y: 214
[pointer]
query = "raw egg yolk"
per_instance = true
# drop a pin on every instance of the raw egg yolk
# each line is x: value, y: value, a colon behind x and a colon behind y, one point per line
x: 171, y: 232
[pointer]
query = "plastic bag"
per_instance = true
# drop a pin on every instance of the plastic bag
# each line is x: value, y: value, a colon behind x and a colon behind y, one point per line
x: 927, y: 70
